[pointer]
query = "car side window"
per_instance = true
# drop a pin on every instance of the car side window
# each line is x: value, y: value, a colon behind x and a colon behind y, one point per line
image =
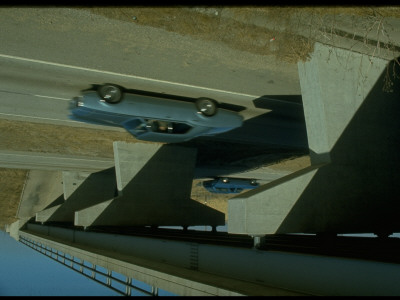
x: 167, y: 127
x: 181, y: 128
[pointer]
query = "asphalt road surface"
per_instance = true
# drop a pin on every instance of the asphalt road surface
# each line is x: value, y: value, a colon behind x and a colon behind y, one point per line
x: 39, y: 91
x: 47, y: 56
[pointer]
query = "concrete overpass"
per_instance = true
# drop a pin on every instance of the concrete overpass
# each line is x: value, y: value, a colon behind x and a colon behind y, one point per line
x: 353, y: 133
x: 352, y: 127
x: 201, y: 269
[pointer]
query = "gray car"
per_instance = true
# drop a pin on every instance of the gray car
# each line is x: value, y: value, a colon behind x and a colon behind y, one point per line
x: 153, y: 118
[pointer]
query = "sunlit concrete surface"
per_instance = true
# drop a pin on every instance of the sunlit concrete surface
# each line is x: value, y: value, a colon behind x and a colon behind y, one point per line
x: 42, y: 189
x: 173, y: 167
x: 353, y: 133
x: 13, y: 229
x: 264, y: 214
x: 81, y: 190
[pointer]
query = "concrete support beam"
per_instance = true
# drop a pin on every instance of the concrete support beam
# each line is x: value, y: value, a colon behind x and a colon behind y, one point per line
x: 81, y: 190
x: 45, y: 215
x: 335, y: 83
x: 165, y: 170
x: 42, y: 190
x: 129, y: 212
x: 250, y: 216
x: 201, y: 269
x: 351, y: 104
x: 154, y: 184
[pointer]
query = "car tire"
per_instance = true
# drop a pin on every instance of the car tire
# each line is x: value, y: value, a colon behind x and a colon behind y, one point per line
x: 206, y: 106
x: 110, y: 93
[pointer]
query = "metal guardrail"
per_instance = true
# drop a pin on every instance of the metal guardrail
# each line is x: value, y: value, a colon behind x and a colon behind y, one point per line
x: 71, y: 263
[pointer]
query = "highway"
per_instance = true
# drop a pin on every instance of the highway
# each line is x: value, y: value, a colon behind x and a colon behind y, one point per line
x: 54, y: 162
x: 40, y: 91
x: 47, y: 56
x: 79, y: 38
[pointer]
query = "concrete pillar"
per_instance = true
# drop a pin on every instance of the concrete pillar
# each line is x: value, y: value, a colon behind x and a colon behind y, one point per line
x: 81, y: 190
x: 353, y: 133
x: 275, y: 200
x: 165, y: 170
x: 154, y: 183
x: 42, y: 189
x: 45, y: 215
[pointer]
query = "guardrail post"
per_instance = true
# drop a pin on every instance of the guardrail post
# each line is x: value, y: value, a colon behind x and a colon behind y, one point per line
x: 154, y: 291
x: 128, y: 285
x: 109, y: 273
x: 81, y: 266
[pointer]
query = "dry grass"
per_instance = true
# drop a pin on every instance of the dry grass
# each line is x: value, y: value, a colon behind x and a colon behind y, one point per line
x: 235, y: 34
x: 206, y: 23
x: 45, y: 138
x: 279, y: 38
x: 35, y: 137
x: 242, y: 33
x: 11, y: 184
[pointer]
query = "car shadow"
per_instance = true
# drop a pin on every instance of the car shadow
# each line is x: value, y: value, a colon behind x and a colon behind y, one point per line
x: 228, y: 106
x: 282, y: 125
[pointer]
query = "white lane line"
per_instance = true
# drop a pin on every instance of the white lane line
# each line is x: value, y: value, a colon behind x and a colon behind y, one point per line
x: 64, y: 121
x: 50, y: 155
x: 125, y: 75
x: 42, y: 96
x: 51, y: 97
x: 41, y: 118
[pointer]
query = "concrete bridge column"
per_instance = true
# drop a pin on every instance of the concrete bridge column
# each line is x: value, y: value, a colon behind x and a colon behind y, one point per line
x: 353, y: 130
x: 81, y: 190
x: 154, y: 184
x: 41, y: 190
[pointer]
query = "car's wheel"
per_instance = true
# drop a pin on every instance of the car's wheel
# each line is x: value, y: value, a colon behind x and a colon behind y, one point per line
x: 206, y: 106
x: 110, y: 93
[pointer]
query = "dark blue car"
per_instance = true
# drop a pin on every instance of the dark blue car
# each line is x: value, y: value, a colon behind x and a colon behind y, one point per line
x: 153, y: 118
x: 230, y: 185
